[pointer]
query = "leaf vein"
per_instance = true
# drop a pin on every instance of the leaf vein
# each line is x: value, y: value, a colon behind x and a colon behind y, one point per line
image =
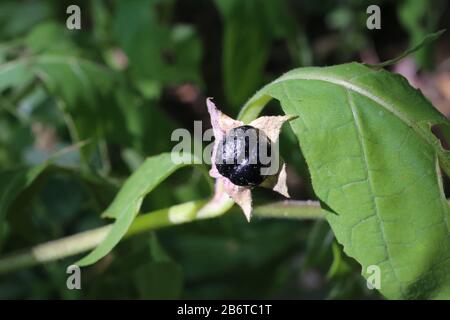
x: 363, y: 147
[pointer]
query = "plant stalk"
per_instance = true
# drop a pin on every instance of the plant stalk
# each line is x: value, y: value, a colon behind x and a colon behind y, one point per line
x: 175, y: 215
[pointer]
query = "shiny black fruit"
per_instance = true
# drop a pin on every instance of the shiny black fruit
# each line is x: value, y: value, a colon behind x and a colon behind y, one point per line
x: 241, y: 155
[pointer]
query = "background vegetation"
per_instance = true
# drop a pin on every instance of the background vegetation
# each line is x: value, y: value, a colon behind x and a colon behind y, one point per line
x: 80, y: 110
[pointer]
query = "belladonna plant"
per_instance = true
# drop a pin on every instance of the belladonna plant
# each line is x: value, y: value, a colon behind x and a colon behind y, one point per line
x: 236, y: 157
x: 374, y: 163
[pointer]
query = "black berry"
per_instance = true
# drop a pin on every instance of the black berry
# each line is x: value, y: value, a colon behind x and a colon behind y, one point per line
x: 240, y: 154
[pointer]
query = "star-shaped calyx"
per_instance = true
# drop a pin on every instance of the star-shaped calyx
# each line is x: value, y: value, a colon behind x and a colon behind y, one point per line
x: 236, y: 157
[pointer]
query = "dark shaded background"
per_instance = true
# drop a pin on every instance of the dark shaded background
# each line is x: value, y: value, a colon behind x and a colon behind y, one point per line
x: 155, y: 63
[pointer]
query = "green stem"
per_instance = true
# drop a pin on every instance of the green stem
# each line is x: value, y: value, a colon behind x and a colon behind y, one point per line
x: 179, y: 214
x: 290, y: 209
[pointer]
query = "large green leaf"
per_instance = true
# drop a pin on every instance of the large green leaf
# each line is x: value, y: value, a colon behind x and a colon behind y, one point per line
x: 128, y: 201
x: 375, y: 165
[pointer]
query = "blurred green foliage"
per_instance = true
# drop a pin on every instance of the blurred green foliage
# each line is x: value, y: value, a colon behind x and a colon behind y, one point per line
x: 118, y: 87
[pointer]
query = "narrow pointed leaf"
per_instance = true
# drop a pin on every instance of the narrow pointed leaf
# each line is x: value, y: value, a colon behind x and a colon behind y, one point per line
x: 128, y: 201
x: 424, y: 43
